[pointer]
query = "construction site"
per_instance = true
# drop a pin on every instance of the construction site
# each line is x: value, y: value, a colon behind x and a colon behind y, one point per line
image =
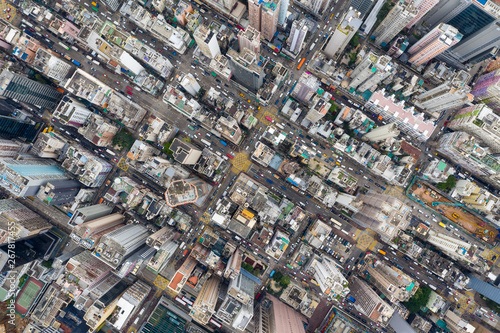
x: 452, y: 211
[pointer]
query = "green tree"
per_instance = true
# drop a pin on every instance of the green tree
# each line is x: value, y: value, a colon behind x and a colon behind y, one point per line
x: 277, y: 276
x: 123, y: 139
x: 355, y: 40
x: 418, y: 300
x: 166, y: 149
x: 492, y: 305
x: 47, y: 264
x: 352, y: 58
x: 450, y: 183
x: 285, y: 281
x: 247, y: 267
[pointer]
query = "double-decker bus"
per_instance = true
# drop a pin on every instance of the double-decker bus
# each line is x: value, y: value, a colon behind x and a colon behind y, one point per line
x: 301, y: 63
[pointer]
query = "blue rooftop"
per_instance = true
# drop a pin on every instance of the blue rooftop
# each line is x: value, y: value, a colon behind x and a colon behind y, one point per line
x: 35, y: 170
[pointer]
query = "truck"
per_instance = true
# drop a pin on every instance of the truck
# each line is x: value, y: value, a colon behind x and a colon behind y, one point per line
x: 76, y: 63
x: 272, y: 273
x: 441, y: 224
x: 276, y: 176
x: 352, y: 299
x: 96, y: 62
x: 269, y: 181
x: 381, y: 252
x: 223, y: 143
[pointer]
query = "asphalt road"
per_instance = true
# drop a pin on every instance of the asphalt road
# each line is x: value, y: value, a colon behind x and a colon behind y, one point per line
x: 413, y: 268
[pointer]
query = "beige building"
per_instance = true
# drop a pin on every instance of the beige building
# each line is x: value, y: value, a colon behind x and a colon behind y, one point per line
x: 18, y: 222
x: 206, y: 39
x: 233, y: 265
x: 204, y: 306
x: 395, y: 284
x: 264, y: 16
x: 382, y: 213
x: 185, y: 153
x: 88, y: 234
x: 369, y: 303
x: 250, y: 39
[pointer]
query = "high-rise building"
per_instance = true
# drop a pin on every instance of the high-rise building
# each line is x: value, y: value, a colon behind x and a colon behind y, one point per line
x: 394, y: 283
x: 398, y: 47
x: 320, y: 107
x: 159, y: 5
x: 397, y: 18
x: 89, y: 169
x: 160, y: 237
x: 467, y: 16
x: 24, y: 90
x: 89, y: 213
x: 112, y: 4
x: 283, y: 11
x: 369, y: 303
x: 88, y: 234
x: 128, y: 303
x: 189, y: 83
x: 182, y: 274
x: 49, y: 145
x: 228, y: 127
x: 381, y: 133
x: 370, y: 21
x: 185, y: 153
x: 245, y: 68
x: 434, y: 43
x: 371, y: 71
x: 479, y: 44
x: 274, y: 316
x: 306, y: 87
x: 204, y: 306
x: 87, y: 268
x: 453, y: 93
x: 71, y: 112
x: 423, y: 7
x: 249, y: 39
x: 13, y: 128
x: 103, y: 307
x: 384, y: 214
x: 115, y: 246
x: 487, y: 90
x: 59, y: 192
x: 242, y: 288
x: 24, y: 177
x: 9, y: 148
x: 18, y: 222
x: 479, y: 121
x: 206, y: 39
x: 362, y: 6
x: 297, y: 35
x: 466, y: 150
x: 330, y: 279
x: 318, y: 7
x: 263, y: 16
x: 162, y: 257
x: 349, y: 25
x: 233, y: 265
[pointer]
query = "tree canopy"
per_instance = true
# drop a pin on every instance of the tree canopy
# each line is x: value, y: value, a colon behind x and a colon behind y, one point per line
x: 418, y: 300
x: 448, y: 184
